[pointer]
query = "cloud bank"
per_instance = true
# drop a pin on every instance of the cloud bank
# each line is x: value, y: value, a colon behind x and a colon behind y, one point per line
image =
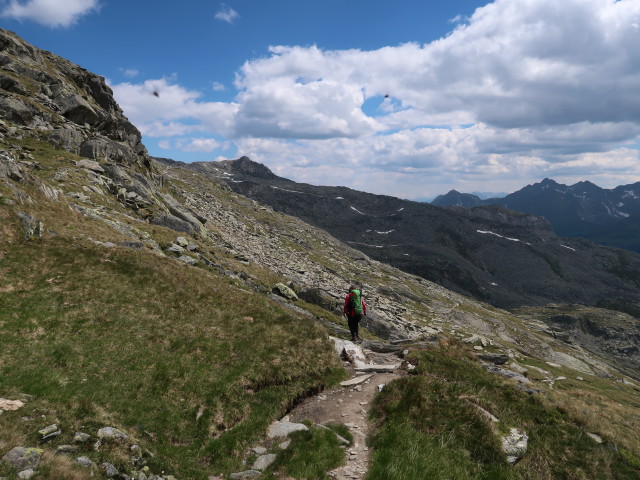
x: 519, y: 91
x: 51, y: 13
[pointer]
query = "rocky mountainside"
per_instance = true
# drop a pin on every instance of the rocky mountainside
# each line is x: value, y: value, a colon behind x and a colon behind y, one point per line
x: 496, y: 255
x: 156, y: 321
x: 607, y: 216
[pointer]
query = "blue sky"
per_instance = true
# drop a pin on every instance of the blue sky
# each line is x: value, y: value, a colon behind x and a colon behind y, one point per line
x: 406, y: 98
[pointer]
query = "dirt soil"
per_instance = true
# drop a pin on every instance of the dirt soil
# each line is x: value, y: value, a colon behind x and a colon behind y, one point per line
x: 349, y: 406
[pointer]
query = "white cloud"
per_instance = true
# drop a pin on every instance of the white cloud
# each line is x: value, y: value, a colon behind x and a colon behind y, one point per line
x: 160, y: 108
x: 200, y: 145
x: 519, y: 91
x: 52, y: 13
x: 226, y: 14
x: 217, y: 87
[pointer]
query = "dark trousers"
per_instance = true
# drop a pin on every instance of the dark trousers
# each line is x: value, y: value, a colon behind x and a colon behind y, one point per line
x: 353, y: 322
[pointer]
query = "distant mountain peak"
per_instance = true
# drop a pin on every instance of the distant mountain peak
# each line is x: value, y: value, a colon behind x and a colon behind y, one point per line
x: 245, y: 166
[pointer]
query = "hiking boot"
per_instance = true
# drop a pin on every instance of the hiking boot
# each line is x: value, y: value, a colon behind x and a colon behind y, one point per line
x: 358, y: 340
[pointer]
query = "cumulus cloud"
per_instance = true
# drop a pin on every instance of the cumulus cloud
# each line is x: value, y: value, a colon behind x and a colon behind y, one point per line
x: 518, y: 90
x: 226, y: 14
x: 52, y: 13
x: 161, y: 108
x: 200, y: 145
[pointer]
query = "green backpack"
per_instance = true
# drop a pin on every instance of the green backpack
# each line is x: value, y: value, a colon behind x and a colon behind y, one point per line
x: 355, y: 301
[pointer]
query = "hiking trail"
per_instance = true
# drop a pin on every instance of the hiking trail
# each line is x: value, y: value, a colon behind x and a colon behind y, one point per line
x: 349, y: 405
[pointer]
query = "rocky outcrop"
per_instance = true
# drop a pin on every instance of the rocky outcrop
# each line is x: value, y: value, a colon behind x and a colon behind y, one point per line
x: 71, y: 107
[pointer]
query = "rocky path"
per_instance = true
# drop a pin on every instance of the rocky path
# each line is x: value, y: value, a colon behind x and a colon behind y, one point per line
x: 350, y: 405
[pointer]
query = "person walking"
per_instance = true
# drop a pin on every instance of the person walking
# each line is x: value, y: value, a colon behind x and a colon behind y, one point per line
x: 354, y: 309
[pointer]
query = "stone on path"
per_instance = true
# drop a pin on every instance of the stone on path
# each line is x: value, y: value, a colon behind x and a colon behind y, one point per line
x: 245, y: 474
x: 356, y: 380
x: 282, y: 429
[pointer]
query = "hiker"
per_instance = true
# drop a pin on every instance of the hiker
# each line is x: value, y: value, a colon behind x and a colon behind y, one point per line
x: 354, y: 308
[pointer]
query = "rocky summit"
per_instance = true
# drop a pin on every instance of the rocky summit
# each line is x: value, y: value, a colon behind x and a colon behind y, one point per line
x: 161, y: 320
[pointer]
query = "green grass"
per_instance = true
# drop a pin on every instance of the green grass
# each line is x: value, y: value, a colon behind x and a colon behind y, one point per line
x: 130, y: 339
x: 428, y: 427
x: 311, y: 454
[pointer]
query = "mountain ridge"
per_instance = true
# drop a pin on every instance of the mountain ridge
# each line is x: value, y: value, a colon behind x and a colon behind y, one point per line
x: 480, y: 252
x: 605, y: 216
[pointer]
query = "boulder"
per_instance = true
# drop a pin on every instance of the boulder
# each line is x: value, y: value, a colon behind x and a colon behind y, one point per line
x: 111, y: 433
x: 90, y: 165
x: 172, y: 222
x: 514, y: 445
x: 263, y: 462
x: 32, y: 228
x: 109, y: 470
x: 282, y: 429
x: 284, y: 291
x: 23, y: 458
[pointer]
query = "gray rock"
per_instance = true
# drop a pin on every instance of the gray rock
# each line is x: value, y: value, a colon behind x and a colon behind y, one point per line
x: 109, y: 470
x: 284, y: 445
x: 183, y: 242
x: 85, y: 461
x: 111, y: 433
x: 282, y: 429
x: 9, y: 168
x: 192, y: 247
x: 80, y: 437
x: 188, y: 260
x: 172, y: 222
x: 284, y: 291
x: 26, y: 473
x: 90, y: 165
x: 596, y: 438
x: 514, y: 445
x: 49, y: 432
x: 32, y: 228
x: 263, y: 462
x: 175, y: 249
x: 259, y: 450
x: 495, y: 358
x: 66, y: 449
x: 245, y: 474
x: 23, y: 458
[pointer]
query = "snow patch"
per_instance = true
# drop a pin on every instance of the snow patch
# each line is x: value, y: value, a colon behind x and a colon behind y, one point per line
x: 285, y: 190
x: 487, y: 232
x: 339, y: 198
x: 354, y: 208
x: 385, y: 233
x: 573, y: 249
x: 400, y: 209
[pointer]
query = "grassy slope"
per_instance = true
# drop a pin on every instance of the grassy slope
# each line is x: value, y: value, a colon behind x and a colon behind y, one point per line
x: 127, y: 338
x: 428, y: 427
